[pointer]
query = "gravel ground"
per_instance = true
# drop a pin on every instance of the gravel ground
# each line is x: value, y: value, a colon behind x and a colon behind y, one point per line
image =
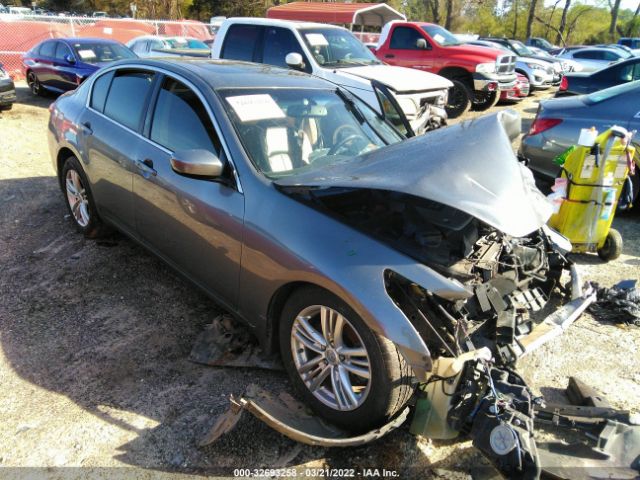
x: 95, y: 338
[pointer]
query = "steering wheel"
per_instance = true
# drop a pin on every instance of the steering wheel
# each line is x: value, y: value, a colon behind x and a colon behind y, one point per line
x: 345, y: 141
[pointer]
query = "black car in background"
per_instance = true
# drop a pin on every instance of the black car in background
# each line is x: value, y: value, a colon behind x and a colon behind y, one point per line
x: 616, y: 74
x: 7, y: 90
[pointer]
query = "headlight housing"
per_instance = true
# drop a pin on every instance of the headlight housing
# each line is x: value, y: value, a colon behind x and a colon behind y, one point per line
x: 536, y: 66
x: 489, y: 67
x: 3, y: 74
x: 407, y: 105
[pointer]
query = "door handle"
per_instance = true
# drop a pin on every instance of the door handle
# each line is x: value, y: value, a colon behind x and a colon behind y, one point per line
x: 146, y: 166
x: 86, y: 128
x: 389, y: 55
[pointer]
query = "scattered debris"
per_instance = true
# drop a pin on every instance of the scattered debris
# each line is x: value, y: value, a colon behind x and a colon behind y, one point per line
x: 228, y: 343
x: 618, y: 304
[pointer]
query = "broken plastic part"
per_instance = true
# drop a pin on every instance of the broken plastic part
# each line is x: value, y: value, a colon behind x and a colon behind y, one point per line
x: 291, y: 418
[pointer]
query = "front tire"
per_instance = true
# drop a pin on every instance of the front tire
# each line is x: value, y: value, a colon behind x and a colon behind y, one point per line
x: 79, y: 200
x: 459, y: 99
x: 485, y: 100
x: 347, y: 374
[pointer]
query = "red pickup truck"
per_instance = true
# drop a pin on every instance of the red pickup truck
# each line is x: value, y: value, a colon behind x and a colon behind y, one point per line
x: 478, y: 73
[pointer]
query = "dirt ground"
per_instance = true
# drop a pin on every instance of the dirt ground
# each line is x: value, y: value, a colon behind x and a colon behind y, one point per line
x: 94, y: 340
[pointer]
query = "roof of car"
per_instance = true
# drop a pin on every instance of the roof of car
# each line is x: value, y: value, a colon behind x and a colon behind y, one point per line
x: 277, y: 22
x: 86, y: 40
x: 233, y: 73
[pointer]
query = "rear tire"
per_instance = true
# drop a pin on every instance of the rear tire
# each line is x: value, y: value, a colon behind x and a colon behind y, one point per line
x: 79, y: 199
x: 459, y: 100
x: 612, y: 247
x: 34, y: 84
x: 317, y: 367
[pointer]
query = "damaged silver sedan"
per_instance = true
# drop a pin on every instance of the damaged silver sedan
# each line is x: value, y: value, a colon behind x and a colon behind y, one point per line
x: 376, y: 266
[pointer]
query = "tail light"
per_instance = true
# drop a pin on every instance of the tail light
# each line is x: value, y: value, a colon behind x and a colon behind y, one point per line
x: 542, y: 124
x: 564, y: 84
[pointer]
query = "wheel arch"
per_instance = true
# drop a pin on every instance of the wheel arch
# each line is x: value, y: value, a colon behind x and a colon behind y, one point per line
x: 274, y: 312
x: 457, y: 73
x: 63, y: 154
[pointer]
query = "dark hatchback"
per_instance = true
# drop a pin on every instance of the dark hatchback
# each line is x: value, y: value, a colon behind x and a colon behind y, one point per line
x: 59, y: 65
x: 583, y: 83
x: 7, y: 90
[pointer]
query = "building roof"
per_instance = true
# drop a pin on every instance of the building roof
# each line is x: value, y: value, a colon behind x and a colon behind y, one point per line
x: 371, y: 14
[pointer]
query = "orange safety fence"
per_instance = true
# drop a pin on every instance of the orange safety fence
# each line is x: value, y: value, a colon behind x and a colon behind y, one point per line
x: 20, y: 33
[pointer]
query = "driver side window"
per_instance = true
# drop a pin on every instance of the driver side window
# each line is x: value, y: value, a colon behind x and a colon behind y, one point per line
x: 278, y: 43
x: 405, y: 38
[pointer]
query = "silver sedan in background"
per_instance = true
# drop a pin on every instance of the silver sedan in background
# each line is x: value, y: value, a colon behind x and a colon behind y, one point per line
x: 558, y: 123
x: 594, y: 58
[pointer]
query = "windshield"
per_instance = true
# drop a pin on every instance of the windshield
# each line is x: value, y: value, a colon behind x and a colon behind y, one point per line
x: 520, y: 48
x: 545, y: 43
x: 607, y: 93
x: 441, y: 36
x: 333, y: 47
x: 288, y: 131
x: 101, y: 52
x: 182, y: 43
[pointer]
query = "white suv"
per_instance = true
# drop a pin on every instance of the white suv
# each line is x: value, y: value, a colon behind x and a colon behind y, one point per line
x: 335, y: 54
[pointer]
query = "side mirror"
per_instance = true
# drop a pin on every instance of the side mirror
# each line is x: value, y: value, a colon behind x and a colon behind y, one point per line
x: 294, y: 60
x: 197, y: 162
x: 421, y: 44
x: 70, y: 59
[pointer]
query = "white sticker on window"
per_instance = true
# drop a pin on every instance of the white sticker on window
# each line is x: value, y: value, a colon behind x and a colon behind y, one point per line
x: 84, y: 54
x: 316, y: 39
x: 255, y: 107
x: 438, y: 38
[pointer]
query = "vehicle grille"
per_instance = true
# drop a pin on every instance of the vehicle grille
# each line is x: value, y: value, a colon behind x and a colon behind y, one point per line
x: 506, y: 64
x: 550, y: 70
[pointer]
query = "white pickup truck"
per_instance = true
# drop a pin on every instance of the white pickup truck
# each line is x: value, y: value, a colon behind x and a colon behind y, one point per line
x: 335, y: 54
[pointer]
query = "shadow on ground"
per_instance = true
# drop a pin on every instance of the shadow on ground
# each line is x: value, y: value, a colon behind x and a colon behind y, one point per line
x: 108, y: 326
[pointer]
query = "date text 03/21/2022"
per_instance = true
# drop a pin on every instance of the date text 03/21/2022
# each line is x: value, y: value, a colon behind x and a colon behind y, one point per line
x: 315, y: 472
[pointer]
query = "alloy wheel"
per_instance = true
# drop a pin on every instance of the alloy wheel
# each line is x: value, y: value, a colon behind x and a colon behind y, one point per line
x: 77, y: 198
x: 331, y: 358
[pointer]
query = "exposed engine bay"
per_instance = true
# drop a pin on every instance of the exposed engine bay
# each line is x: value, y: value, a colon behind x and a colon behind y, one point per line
x: 511, y: 278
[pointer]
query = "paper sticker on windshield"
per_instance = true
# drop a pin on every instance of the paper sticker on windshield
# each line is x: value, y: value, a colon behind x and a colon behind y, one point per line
x: 316, y: 39
x: 438, y: 38
x: 84, y: 54
x: 255, y: 107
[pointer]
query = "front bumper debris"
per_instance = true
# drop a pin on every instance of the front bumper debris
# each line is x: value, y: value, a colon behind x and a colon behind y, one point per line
x: 290, y: 417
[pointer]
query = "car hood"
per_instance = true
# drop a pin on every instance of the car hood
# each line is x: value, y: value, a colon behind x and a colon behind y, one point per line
x: 469, y: 166
x: 481, y: 53
x: 399, y: 79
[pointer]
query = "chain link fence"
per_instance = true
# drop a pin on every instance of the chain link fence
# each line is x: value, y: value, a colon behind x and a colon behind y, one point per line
x: 19, y: 33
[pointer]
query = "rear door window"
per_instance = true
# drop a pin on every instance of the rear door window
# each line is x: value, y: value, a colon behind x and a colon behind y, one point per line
x: 180, y: 120
x: 127, y: 97
x: 405, y: 38
x: 100, y: 90
x: 590, y: 54
x: 240, y: 42
x: 48, y: 49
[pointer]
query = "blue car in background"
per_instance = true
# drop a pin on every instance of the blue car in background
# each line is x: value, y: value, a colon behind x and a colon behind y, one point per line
x: 61, y: 64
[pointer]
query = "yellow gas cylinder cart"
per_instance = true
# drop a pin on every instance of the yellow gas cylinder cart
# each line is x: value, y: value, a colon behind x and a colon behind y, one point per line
x: 593, y: 177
